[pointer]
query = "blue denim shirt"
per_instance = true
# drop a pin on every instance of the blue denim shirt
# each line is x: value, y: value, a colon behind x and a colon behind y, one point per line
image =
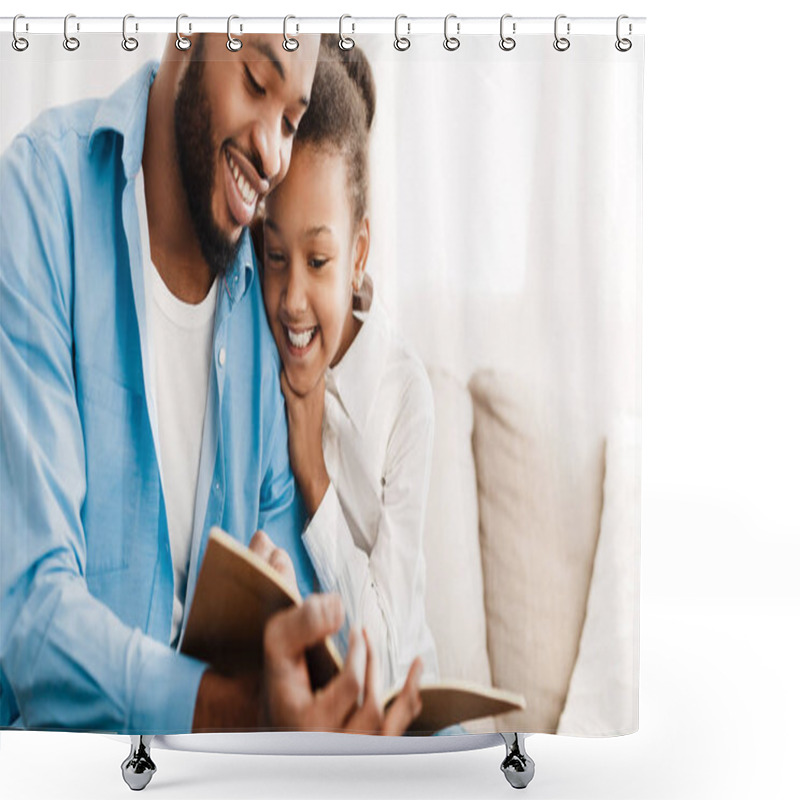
x: 86, y: 583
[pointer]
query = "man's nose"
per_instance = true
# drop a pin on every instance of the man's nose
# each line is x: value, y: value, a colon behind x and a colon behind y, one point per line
x: 266, y: 139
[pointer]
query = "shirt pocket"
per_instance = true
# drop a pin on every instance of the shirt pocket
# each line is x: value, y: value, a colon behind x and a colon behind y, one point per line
x: 115, y: 423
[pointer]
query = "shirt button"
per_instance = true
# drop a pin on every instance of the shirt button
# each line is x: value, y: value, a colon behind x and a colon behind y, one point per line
x: 222, y: 356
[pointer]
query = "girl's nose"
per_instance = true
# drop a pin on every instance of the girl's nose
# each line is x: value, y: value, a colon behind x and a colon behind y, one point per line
x: 295, y: 297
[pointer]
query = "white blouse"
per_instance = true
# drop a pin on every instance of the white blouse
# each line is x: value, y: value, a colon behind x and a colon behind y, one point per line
x: 365, y: 540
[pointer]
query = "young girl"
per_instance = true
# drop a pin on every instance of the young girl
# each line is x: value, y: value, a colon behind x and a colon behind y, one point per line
x: 359, y: 403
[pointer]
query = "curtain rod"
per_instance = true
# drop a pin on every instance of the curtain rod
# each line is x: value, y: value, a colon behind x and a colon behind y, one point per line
x: 301, y: 24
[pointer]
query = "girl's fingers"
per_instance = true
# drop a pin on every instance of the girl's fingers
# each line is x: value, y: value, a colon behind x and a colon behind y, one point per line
x: 407, y: 705
x: 370, y: 692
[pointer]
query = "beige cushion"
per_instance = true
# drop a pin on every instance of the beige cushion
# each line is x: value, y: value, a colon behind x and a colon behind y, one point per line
x: 454, y: 581
x: 603, y: 698
x: 538, y: 459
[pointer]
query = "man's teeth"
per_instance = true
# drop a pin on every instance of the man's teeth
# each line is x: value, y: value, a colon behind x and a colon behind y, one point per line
x: 300, y: 340
x: 245, y: 189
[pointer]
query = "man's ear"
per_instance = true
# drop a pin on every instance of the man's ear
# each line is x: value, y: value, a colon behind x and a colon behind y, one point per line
x: 362, y: 252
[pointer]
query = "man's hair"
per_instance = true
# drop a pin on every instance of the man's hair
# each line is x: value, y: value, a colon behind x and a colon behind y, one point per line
x: 340, y: 114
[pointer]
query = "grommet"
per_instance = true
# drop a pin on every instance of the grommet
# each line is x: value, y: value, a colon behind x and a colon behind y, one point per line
x: 129, y: 43
x: 181, y: 42
x: 623, y: 44
x: 233, y: 44
x: 401, y: 43
x: 507, y: 42
x: 345, y: 42
x: 451, y: 42
x: 19, y: 43
x: 71, y: 43
x: 561, y: 43
x: 289, y: 42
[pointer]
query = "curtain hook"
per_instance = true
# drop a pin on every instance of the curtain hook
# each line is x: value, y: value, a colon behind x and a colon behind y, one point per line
x: 623, y: 45
x: 233, y: 44
x: 561, y: 43
x: 401, y: 42
x: 71, y: 43
x: 451, y: 42
x: 19, y: 43
x: 129, y: 43
x: 507, y: 42
x: 345, y: 42
x: 181, y: 42
x: 289, y: 42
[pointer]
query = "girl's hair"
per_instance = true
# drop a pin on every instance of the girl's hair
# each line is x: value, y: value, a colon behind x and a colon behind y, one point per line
x: 339, y: 117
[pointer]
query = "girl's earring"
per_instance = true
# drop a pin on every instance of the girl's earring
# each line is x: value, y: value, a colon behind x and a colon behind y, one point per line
x: 357, y: 282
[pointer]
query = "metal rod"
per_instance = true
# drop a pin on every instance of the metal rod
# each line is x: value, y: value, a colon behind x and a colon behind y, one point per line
x: 421, y: 25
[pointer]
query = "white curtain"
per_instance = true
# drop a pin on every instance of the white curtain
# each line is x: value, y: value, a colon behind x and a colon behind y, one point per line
x: 506, y: 197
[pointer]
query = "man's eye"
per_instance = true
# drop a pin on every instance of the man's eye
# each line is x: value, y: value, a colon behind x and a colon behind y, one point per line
x: 318, y: 263
x: 256, y: 87
x: 291, y: 128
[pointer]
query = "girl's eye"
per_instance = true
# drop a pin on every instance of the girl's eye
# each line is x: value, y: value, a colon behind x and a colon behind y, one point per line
x: 318, y: 263
x: 254, y: 85
x: 276, y: 259
x: 291, y: 128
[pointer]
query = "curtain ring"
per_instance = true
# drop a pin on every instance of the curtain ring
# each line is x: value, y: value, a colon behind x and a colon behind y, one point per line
x: 561, y: 43
x: 71, y: 43
x: 451, y: 42
x: 289, y: 42
x: 233, y: 44
x: 401, y: 42
x: 623, y: 45
x: 181, y: 42
x: 507, y: 42
x: 129, y: 43
x: 345, y: 42
x: 19, y: 43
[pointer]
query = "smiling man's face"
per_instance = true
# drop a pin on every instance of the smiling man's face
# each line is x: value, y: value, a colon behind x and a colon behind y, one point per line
x: 235, y: 117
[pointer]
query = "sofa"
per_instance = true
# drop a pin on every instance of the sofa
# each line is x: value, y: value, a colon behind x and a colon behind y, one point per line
x: 531, y: 547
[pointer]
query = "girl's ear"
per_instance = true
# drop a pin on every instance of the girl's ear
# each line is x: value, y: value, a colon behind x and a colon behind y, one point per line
x: 362, y: 251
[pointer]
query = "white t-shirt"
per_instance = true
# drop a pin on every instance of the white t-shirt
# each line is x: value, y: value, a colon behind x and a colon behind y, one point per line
x: 180, y: 338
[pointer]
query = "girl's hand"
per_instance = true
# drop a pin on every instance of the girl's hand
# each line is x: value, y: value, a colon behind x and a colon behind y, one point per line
x: 305, y: 441
x: 370, y: 717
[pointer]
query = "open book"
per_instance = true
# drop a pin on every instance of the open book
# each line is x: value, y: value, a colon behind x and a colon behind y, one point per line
x: 237, y: 592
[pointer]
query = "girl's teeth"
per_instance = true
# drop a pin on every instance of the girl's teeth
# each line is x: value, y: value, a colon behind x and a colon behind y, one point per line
x: 300, y: 340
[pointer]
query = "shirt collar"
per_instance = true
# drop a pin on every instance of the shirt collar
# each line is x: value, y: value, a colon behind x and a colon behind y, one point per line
x: 356, y: 378
x: 124, y: 111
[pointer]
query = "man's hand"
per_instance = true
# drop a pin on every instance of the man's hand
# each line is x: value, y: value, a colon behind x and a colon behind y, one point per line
x: 228, y: 703
x: 291, y: 703
x: 289, y: 700
x: 304, y: 413
x: 275, y: 556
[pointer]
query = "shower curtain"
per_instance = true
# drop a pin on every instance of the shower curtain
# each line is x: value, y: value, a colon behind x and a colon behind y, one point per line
x: 372, y: 296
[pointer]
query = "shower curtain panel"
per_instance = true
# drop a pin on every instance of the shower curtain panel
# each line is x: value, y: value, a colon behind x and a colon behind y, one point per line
x: 373, y: 297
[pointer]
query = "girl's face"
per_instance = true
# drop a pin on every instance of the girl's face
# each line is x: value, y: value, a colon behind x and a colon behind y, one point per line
x: 312, y: 261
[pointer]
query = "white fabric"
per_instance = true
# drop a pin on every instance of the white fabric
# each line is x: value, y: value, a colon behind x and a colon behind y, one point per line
x: 179, y: 342
x: 603, y: 696
x: 365, y: 540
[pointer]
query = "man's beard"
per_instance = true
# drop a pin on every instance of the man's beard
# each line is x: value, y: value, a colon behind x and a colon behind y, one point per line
x: 197, y: 161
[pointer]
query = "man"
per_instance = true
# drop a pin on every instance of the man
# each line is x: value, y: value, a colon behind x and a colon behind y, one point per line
x: 141, y: 403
